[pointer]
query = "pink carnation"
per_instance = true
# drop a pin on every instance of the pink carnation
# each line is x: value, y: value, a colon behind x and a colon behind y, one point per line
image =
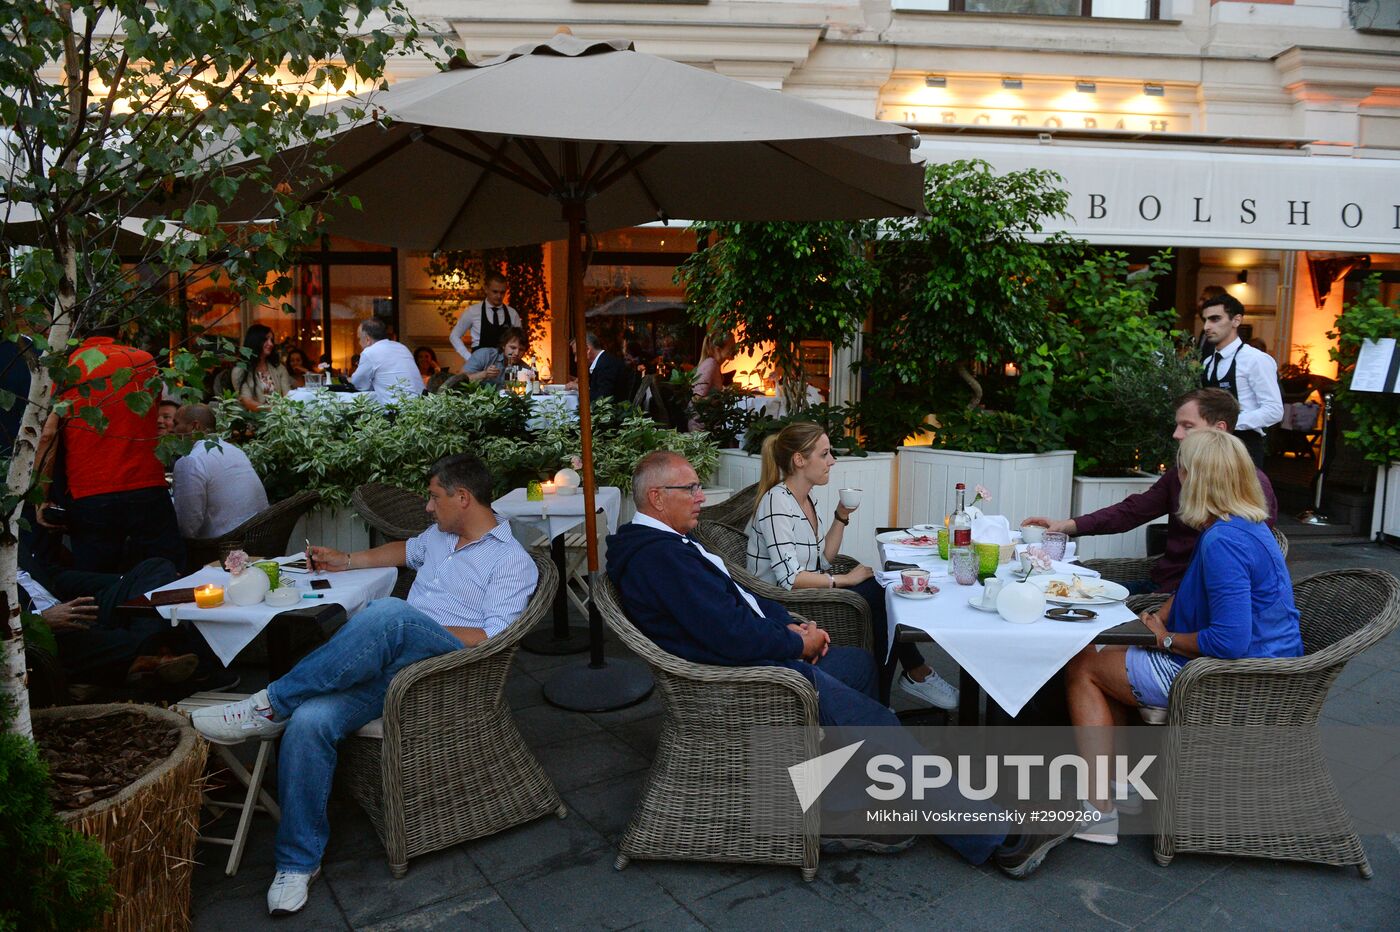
x: 980, y: 494
x: 236, y: 562
x: 1039, y: 559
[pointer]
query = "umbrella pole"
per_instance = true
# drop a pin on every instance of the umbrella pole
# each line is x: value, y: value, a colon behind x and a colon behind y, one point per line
x: 601, y: 686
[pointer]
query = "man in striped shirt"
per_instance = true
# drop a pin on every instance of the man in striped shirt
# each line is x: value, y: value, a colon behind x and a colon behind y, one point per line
x: 473, y: 580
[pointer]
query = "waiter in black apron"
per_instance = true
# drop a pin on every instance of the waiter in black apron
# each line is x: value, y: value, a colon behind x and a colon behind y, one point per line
x: 1245, y: 372
x: 483, y: 324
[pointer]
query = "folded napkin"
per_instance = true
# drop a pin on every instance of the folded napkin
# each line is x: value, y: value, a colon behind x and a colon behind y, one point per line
x: 917, y: 555
x: 991, y: 529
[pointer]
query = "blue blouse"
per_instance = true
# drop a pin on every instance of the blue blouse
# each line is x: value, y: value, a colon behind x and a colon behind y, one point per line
x: 1237, y: 596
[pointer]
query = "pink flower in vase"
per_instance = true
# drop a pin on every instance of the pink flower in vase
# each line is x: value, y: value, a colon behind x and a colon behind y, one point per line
x: 236, y: 562
x: 1040, y: 560
x: 980, y: 494
x: 576, y: 462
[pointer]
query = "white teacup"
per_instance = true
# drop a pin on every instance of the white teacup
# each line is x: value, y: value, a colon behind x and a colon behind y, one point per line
x: 850, y: 498
x: 1032, y: 533
x: 914, y: 580
x: 991, y: 589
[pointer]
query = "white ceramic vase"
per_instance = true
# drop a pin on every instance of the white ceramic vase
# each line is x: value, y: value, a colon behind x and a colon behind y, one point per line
x: 1021, y: 603
x: 248, y: 587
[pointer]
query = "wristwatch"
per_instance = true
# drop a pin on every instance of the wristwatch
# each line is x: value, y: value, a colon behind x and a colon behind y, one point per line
x: 845, y: 521
x: 1167, y: 643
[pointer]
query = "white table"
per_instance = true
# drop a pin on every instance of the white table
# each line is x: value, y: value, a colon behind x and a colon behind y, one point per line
x: 1010, y: 662
x: 552, y: 405
x: 325, y: 396
x: 230, y: 628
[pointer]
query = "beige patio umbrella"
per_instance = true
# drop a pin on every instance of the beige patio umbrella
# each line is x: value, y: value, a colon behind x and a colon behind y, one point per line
x: 550, y: 140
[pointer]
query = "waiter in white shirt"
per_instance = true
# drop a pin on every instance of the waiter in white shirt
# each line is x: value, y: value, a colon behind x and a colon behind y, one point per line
x: 484, y: 322
x: 1243, y: 371
x: 386, y: 366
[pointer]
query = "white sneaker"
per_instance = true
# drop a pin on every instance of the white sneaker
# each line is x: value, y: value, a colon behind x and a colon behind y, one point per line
x: 287, y: 894
x: 1126, y: 798
x: 934, y: 690
x: 237, y: 722
x: 1101, y: 828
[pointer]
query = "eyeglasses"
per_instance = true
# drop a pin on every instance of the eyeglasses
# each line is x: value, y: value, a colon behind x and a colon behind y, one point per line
x: 693, y: 488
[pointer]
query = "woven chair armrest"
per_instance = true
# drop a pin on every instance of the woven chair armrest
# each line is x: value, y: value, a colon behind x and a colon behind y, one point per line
x: 1250, y: 691
x: 844, y: 563
x: 409, y: 678
x: 841, y: 613
x: 1122, y: 567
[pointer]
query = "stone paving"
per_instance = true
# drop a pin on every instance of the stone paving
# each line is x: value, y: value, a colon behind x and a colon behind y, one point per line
x: 558, y: 874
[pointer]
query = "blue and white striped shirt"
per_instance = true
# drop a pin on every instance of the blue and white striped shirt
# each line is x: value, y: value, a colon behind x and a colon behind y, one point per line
x: 485, y: 584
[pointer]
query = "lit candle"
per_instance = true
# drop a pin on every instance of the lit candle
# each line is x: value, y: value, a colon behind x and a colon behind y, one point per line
x: 209, y: 596
x: 548, y: 486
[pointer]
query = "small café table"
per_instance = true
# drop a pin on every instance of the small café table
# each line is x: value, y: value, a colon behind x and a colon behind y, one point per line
x: 230, y: 628
x: 554, y: 516
x: 1010, y: 662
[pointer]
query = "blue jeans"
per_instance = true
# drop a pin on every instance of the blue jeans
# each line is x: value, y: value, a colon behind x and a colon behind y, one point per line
x: 333, y: 692
x: 846, y: 680
x: 905, y: 653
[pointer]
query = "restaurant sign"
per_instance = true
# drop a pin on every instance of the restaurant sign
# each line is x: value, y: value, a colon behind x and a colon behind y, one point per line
x: 1169, y: 196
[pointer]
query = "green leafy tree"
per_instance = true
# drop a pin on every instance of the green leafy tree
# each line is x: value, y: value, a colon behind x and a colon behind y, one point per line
x: 965, y: 286
x: 111, y: 107
x: 1377, y: 415
x: 1117, y: 363
x: 780, y: 284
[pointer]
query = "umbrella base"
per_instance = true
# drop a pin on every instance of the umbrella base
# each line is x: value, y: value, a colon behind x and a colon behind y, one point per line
x: 616, y: 684
x: 548, y: 641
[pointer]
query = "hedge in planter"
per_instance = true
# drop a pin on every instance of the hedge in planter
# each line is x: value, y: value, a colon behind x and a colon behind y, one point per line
x: 1367, y: 317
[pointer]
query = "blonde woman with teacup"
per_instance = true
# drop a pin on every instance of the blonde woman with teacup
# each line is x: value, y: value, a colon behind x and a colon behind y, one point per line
x: 790, y: 545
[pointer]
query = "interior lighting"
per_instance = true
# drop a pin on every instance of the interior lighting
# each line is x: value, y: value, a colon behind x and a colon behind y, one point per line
x: 1086, y: 87
x: 1243, y: 277
x: 1154, y: 90
x: 1011, y: 84
x: 935, y: 80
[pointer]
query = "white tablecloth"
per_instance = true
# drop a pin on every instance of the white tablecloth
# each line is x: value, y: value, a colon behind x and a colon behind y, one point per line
x: 1011, y: 662
x: 230, y: 628
x: 552, y: 404
x: 324, y: 396
x: 559, y: 513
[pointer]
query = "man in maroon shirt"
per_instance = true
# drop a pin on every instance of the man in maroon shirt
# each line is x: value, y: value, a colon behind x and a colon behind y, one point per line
x: 1203, y: 408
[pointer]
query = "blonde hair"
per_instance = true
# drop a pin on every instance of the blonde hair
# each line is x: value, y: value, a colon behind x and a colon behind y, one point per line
x: 714, y: 342
x: 780, y: 448
x: 1218, y: 480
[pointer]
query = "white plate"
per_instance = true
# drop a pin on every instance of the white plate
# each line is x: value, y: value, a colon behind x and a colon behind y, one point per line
x: 916, y: 596
x: 897, y: 538
x: 1112, y: 592
x: 977, y: 603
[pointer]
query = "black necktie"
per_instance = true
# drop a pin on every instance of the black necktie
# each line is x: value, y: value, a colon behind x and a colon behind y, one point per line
x: 1215, y: 368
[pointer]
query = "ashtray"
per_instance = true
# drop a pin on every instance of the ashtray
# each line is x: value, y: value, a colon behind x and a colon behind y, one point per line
x: 1071, y: 614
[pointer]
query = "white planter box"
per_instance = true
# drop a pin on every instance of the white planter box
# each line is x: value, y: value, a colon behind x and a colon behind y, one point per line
x: 341, y: 528
x: 873, y: 475
x: 713, y: 496
x: 1021, y: 484
x: 1386, y: 513
x: 1091, y: 494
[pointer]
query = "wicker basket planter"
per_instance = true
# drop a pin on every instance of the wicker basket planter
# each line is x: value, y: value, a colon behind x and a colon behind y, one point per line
x: 149, y: 828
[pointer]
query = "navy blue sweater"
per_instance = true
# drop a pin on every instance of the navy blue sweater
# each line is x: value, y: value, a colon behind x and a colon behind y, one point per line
x: 684, y: 603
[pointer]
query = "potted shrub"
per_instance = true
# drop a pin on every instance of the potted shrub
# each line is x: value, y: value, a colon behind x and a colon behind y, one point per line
x: 1376, y: 435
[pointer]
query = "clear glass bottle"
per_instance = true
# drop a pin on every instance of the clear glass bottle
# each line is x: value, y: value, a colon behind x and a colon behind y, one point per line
x: 960, y: 553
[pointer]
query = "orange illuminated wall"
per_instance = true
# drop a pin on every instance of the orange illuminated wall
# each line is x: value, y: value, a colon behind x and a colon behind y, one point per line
x: 1311, y: 323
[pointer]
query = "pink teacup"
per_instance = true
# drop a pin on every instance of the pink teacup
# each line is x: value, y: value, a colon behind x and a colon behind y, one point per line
x: 913, y: 580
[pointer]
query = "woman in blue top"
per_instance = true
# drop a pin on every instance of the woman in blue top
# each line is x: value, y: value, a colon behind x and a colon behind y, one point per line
x: 1236, y: 600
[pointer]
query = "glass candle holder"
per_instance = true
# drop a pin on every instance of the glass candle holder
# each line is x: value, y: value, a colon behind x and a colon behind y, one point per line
x: 534, y: 492
x: 1054, y: 544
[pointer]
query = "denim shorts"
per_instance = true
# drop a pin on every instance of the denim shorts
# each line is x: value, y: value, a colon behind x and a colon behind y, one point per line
x: 1150, y: 674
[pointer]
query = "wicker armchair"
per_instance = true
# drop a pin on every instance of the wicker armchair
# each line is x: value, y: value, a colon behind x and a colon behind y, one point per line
x: 711, y: 785
x: 264, y: 534
x: 736, y: 510
x: 1284, y: 797
x: 1119, y: 569
x: 393, y: 514
x: 841, y: 613
x: 446, y: 763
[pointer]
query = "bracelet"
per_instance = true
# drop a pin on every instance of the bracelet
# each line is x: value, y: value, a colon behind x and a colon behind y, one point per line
x: 844, y: 521
x: 831, y: 579
x: 349, y: 558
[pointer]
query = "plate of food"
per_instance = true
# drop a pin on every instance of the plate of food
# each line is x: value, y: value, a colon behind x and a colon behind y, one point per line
x: 1079, y: 590
x: 917, y: 538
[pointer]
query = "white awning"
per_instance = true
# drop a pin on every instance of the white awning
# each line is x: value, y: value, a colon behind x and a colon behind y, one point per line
x: 1149, y: 195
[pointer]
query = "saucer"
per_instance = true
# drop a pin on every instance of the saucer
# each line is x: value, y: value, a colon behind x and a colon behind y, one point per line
x: 981, y: 605
x: 916, y: 596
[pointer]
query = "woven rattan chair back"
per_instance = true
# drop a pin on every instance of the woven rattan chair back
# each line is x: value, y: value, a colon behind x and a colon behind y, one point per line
x: 720, y: 770
x: 723, y: 540
x: 736, y: 510
x: 451, y: 764
x: 396, y: 513
x: 263, y: 535
x: 1301, y: 816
